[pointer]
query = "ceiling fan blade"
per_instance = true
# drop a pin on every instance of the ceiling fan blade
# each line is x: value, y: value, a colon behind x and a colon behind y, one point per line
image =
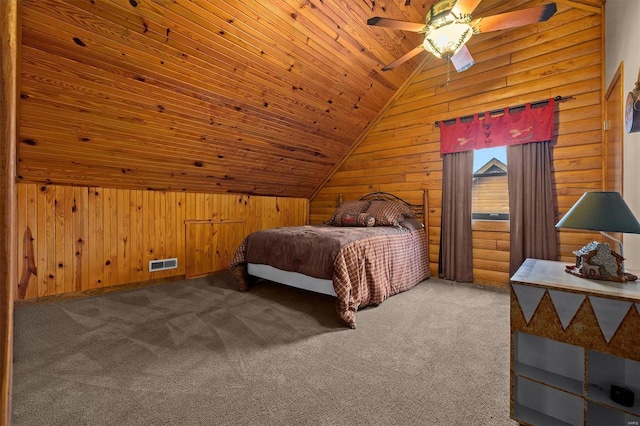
x: 465, y: 7
x: 396, y: 24
x: 404, y: 58
x: 514, y: 19
x: 462, y: 60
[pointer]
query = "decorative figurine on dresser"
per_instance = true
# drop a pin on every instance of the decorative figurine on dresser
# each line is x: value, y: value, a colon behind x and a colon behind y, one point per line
x: 597, y: 261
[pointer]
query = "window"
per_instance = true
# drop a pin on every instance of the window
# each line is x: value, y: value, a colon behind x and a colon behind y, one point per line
x: 490, y: 193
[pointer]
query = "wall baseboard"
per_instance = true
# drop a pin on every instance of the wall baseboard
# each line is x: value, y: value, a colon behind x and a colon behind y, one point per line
x: 97, y: 291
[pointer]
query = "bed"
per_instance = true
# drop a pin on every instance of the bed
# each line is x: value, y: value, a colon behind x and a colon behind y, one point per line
x: 369, y: 250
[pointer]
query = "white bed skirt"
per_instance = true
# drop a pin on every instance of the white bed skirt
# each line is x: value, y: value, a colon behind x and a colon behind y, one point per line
x: 293, y: 279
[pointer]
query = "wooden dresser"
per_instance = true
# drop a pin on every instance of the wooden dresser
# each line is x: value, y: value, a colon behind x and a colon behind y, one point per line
x: 572, y: 339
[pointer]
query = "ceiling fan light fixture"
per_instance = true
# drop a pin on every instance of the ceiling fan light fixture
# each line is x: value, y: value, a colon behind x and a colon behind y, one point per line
x: 449, y: 25
x: 446, y: 40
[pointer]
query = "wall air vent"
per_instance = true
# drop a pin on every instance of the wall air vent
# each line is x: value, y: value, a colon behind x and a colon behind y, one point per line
x: 163, y: 264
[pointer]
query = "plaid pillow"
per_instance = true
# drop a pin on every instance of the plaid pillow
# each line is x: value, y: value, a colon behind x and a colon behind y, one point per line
x: 349, y: 207
x: 354, y: 219
x: 389, y: 213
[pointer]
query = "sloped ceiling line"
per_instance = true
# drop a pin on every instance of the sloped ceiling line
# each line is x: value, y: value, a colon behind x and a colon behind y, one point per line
x: 266, y: 83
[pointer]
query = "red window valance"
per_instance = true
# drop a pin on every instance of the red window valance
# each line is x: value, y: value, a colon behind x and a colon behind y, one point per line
x: 509, y: 128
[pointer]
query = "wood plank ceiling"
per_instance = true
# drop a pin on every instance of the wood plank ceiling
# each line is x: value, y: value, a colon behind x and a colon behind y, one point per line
x: 225, y: 96
x: 239, y: 96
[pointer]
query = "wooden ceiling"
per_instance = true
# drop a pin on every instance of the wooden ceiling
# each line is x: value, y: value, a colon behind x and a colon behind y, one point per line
x: 240, y: 96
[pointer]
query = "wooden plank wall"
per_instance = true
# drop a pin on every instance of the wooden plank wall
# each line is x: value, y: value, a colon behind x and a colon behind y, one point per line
x: 209, y: 244
x: 560, y: 57
x: 86, y: 238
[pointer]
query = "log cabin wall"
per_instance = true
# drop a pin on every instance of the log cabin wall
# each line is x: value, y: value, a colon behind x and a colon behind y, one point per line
x: 164, y: 105
x: 490, y: 194
x: 79, y: 239
x: 265, y: 99
x: 560, y: 57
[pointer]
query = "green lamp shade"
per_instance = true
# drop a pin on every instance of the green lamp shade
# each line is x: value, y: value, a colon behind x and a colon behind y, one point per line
x: 601, y: 211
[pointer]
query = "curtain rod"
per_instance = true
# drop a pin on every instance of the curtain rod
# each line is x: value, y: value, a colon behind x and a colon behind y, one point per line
x: 557, y: 99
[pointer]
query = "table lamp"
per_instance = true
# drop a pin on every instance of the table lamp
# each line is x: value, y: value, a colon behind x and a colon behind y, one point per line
x: 603, y: 211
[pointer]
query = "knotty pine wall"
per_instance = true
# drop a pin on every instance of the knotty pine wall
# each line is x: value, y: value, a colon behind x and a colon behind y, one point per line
x: 561, y: 57
x: 86, y: 238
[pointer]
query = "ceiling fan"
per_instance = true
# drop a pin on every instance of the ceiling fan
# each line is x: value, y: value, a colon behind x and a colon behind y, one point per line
x: 449, y: 26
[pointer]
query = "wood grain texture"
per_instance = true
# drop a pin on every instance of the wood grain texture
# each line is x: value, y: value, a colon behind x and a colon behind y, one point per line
x: 235, y: 96
x: 249, y: 97
x: 560, y: 57
x: 88, y: 238
x: 9, y: 71
x: 228, y: 96
x: 28, y: 264
x: 490, y: 194
x: 210, y: 245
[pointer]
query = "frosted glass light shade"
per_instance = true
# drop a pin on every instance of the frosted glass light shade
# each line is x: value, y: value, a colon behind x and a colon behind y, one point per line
x: 445, y: 41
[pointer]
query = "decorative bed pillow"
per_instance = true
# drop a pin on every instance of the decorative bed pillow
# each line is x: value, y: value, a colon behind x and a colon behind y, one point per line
x: 348, y: 207
x: 411, y: 224
x: 389, y: 213
x: 354, y: 219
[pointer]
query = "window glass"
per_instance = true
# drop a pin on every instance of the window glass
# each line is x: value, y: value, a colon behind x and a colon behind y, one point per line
x: 490, y: 192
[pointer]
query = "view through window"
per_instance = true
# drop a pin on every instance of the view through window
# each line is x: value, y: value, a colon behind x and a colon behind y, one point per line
x: 490, y: 193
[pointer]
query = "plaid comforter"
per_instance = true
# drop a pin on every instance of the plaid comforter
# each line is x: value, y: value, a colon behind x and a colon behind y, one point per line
x: 367, y: 266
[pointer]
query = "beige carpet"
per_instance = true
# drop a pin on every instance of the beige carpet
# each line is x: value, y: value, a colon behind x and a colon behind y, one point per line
x: 199, y: 352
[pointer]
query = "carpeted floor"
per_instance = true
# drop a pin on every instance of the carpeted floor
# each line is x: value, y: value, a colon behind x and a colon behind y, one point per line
x: 199, y: 352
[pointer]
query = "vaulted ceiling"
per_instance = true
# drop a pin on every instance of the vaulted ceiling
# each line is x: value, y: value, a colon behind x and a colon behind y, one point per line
x: 241, y: 96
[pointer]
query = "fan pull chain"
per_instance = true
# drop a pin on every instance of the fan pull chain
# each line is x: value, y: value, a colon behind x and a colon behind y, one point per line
x: 448, y: 71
